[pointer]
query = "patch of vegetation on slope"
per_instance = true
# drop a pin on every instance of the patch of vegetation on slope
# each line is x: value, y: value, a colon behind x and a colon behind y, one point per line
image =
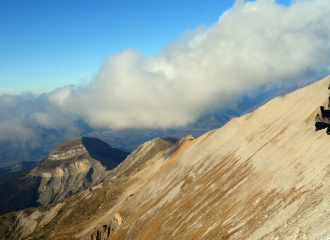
x: 7, y: 167
x: 9, y: 176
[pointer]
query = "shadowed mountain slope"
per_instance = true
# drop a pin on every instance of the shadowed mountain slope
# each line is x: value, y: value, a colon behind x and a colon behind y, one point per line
x: 264, y: 175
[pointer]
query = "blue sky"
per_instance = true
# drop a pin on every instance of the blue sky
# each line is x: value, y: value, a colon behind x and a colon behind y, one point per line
x: 46, y: 44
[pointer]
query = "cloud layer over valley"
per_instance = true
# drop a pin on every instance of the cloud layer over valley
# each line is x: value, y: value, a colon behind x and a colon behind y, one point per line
x: 251, y: 44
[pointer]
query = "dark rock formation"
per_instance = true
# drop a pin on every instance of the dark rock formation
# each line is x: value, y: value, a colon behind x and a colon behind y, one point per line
x: 106, y: 231
x: 322, y: 118
x: 102, y: 233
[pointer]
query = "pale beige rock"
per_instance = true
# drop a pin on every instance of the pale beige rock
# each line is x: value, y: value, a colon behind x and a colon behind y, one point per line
x: 79, y: 149
x: 118, y: 219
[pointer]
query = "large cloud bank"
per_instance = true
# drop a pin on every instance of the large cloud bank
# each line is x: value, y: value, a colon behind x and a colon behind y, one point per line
x: 251, y: 44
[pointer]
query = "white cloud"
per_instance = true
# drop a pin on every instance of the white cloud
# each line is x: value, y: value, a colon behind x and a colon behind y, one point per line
x: 60, y: 95
x: 251, y: 44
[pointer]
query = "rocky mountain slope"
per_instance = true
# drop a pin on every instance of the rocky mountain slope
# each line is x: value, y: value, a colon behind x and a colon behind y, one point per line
x: 74, y: 165
x: 264, y: 175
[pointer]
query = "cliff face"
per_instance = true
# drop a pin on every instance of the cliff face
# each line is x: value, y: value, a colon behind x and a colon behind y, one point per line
x: 74, y: 165
x: 261, y: 176
x: 68, y: 179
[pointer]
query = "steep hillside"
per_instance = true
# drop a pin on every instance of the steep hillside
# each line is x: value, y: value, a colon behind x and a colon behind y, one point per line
x: 74, y: 165
x: 264, y: 175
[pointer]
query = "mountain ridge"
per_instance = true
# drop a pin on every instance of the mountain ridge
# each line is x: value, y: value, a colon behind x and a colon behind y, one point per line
x: 264, y: 175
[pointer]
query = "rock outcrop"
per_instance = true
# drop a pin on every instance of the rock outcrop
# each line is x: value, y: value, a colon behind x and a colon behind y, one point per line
x: 322, y: 118
x: 106, y: 231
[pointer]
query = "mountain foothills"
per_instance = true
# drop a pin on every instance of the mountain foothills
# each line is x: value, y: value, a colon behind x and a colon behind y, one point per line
x: 74, y: 165
x: 265, y: 175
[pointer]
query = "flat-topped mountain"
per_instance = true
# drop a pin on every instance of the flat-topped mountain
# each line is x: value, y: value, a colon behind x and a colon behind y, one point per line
x: 74, y: 165
x: 77, y: 149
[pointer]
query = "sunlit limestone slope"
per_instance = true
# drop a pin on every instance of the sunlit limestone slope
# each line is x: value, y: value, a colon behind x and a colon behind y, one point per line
x: 264, y: 175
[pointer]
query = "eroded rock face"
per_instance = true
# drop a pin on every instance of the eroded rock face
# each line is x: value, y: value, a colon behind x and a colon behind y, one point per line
x: 73, y: 166
x: 64, y: 181
x: 102, y: 233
